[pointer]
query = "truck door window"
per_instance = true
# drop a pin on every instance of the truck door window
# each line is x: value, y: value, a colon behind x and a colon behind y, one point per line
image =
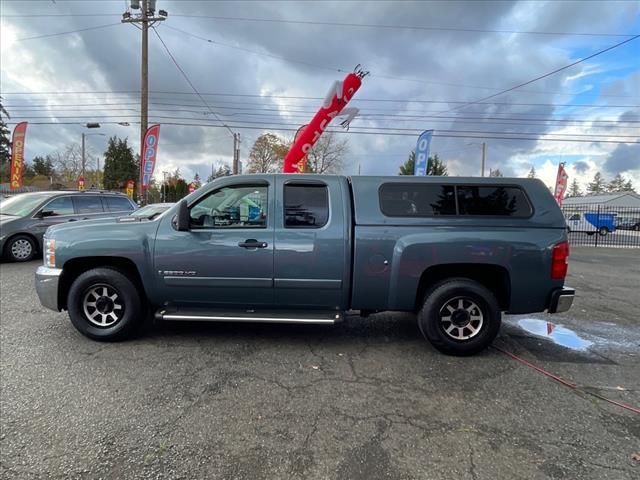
x: 417, y: 200
x: 240, y: 206
x: 305, y: 206
x: 493, y: 200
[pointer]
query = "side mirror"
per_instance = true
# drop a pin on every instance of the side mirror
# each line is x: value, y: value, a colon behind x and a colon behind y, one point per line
x: 39, y: 214
x: 182, y: 218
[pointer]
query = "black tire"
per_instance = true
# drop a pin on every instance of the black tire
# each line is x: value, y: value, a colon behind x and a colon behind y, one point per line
x: 603, y: 231
x: 20, y: 248
x: 433, y: 326
x: 590, y: 233
x: 130, y: 311
x: 636, y: 227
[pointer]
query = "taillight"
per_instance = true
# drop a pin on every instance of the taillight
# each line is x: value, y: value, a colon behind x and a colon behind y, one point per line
x: 560, y: 261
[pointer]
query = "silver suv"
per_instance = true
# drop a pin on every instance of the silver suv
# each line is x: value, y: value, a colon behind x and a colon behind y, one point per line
x: 25, y: 217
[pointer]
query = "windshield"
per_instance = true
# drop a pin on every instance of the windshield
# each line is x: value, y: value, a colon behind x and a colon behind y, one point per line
x: 150, y: 211
x: 22, y: 205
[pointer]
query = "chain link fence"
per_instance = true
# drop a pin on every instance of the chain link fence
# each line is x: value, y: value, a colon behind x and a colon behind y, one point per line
x: 603, y: 226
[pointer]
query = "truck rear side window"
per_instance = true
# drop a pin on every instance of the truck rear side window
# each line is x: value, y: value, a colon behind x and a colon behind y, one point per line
x: 305, y: 206
x: 493, y: 200
x: 417, y: 200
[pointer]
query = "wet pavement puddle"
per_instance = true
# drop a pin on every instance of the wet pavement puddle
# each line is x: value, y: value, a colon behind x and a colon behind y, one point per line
x: 556, y: 333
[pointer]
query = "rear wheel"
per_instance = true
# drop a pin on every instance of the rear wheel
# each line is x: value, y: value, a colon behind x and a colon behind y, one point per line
x: 460, y: 317
x: 603, y: 231
x: 20, y: 248
x: 104, y: 304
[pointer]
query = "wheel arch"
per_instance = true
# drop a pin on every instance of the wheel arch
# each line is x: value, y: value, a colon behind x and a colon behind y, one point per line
x: 494, y: 277
x: 77, y: 266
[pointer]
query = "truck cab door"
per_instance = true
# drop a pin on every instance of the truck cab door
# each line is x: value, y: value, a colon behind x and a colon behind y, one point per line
x: 226, y: 257
x: 312, y: 242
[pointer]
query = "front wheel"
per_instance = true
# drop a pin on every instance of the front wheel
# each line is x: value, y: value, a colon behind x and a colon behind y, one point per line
x: 104, y: 304
x: 20, y: 248
x: 460, y: 317
x: 603, y: 231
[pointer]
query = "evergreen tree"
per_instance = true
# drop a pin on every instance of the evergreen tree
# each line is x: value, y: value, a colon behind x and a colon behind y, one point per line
x: 532, y: 173
x: 120, y: 164
x: 43, y: 166
x: 495, y: 173
x: 435, y: 166
x: 574, y: 189
x: 618, y: 184
x: 408, y: 166
x: 597, y: 186
x: 197, y: 183
x: 223, y: 171
x: 628, y: 187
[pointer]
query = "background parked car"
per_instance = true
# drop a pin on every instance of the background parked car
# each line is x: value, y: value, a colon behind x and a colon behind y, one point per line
x: 629, y: 223
x: 24, y: 218
x: 152, y: 210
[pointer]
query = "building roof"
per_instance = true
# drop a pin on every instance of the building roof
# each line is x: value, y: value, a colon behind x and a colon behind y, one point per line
x: 599, y: 199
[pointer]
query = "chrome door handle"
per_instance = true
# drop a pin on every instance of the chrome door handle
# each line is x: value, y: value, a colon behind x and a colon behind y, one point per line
x: 252, y: 243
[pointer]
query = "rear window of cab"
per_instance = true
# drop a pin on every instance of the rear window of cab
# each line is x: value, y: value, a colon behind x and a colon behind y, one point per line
x: 431, y: 200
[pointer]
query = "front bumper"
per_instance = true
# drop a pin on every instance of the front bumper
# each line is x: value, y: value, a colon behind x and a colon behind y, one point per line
x: 561, y: 300
x: 47, y: 280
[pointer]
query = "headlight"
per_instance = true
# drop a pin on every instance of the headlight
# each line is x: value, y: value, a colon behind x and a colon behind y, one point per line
x: 49, y: 252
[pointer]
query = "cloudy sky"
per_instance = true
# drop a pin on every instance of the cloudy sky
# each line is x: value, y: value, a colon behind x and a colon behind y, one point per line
x: 263, y: 66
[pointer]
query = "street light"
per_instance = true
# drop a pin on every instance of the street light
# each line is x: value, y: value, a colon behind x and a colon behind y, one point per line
x: 83, y: 150
x: 483, y: 145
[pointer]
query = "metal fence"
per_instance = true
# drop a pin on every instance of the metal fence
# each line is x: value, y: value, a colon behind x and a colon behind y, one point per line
x: 603, y: 226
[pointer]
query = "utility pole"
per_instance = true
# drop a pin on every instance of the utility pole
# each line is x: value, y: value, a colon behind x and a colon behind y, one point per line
x: 83, y: 157
x: 484, y: 154
x: 236, y: 153
x: 146, y: 18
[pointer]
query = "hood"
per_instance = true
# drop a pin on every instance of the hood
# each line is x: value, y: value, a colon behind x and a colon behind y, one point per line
x: 89, y: 227
x: 8, y: 218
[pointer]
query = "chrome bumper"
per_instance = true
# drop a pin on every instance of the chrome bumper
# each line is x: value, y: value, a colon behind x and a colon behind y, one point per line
x: 561, y: 300
x: 47, y: 280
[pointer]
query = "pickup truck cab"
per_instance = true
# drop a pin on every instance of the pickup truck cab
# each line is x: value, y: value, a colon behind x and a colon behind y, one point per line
x: 309, y: 248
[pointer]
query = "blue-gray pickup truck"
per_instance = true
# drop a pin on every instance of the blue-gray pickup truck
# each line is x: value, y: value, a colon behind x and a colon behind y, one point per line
x: 307, y: 249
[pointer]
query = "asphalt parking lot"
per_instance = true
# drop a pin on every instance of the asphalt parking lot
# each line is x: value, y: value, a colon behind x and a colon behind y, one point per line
x: 366, y: 399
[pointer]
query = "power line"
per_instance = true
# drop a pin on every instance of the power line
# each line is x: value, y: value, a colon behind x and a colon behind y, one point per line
x: 67, y: 32
x: 291, y: 97
x: 280, y: 110
x: 351, y: 131
x: 403, y: 27
x: 584, y: 59
x: 377, y: 128
x: 186, y: 77
x: 529, y: 104
x: 339, y: 24
x: 527, y: 121
x: 390, y: 77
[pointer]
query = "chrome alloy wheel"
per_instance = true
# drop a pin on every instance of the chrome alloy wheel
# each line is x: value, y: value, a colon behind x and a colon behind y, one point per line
x: 21, y: 249
x: 461, y: 318
x: 102, y: 306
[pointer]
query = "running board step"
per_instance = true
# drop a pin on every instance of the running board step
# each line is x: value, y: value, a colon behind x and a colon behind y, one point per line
x: 319, y: 317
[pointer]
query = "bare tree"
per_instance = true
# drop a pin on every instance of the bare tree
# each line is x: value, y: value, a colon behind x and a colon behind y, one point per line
x: 327, y: 155
x: 267, y: 154
x: 68, y: 162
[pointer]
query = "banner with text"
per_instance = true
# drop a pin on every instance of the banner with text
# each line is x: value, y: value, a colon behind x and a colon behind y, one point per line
x: 17, y: 155
x: 561, y: 184
x: 149, y: 154
x: 422, y: 153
